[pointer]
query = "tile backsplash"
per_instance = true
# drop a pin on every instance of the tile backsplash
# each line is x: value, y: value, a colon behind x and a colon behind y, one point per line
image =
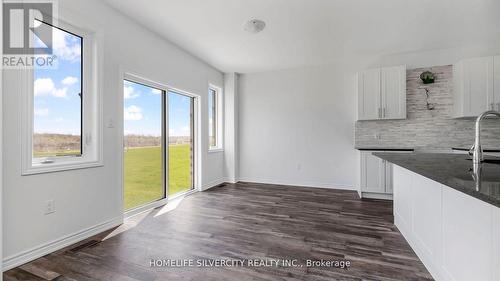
x: 427, y: 129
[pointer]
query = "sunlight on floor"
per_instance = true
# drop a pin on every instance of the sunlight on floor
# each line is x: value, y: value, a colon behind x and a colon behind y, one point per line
x: 129, y: 223
x: 170, y: 206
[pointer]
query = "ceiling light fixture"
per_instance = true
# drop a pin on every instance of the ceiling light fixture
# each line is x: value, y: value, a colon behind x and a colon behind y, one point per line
x: 255, y: 26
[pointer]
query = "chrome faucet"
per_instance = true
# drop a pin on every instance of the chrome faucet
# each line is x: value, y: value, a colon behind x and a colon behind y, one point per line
x: 476, y: 149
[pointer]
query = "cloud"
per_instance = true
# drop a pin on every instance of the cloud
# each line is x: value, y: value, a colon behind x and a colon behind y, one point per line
x: 70, y: 80
x: 129, y: 93
x: 132, y: 113
x: 156, y: 91
x: 46, y: 87
x: 66, y: 46
x: 41, y: 111
x: 60, y: 93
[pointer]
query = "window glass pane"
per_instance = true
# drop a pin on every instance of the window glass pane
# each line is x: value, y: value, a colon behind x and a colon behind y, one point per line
x: 180, y: 143
x: 143, y: 156
x: 212, y: 117
x: 57, y: 124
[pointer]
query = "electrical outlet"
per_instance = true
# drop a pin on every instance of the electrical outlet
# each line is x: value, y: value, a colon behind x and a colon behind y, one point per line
x: 50, y: 206
x: 376, y: 136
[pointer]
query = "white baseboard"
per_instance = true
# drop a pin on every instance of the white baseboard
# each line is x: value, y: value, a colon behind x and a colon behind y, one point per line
x: 371, y: 195
x: 301, y: 184
x: 213, y: 184
x: 45, y: 249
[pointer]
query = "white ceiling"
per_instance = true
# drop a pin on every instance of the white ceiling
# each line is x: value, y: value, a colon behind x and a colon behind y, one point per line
x: 311, y: 32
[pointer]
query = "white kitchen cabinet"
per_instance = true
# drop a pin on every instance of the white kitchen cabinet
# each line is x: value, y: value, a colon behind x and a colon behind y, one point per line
x: 496, y: 242
x: 473, y: 87
x: 376, y: 175
x: 369, y: 99
x: 382, y: 93
x: 456, y: 236
x: 403, y: 185
x: 427, y: 218
x: 373, y: 173
x: 467, y: 237
x: 393, y: 92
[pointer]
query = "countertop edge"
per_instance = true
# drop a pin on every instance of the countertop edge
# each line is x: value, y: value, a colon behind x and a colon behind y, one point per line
x: 478, y: 195
x: 383, y: 149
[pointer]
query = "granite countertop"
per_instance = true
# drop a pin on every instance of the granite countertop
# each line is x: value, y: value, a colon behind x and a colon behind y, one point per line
x: 454, y: 171
x: 385, y: 148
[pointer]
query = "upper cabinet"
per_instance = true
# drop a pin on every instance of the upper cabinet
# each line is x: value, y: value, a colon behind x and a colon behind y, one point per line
x: 382, y: 93
x: 476, y: 86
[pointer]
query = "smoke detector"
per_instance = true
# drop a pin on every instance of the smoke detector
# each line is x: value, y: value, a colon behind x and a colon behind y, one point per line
x: 255, y: 26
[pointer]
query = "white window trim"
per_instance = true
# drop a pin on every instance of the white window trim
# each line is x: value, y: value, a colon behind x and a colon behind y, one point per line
x: 220, y: 121
x: 91, y: 114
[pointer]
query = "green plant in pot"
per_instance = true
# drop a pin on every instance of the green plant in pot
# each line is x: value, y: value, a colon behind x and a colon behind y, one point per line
x: 427, y: 77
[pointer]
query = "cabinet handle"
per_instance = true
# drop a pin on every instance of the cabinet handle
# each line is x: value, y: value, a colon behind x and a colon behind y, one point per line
x: 383, y: 112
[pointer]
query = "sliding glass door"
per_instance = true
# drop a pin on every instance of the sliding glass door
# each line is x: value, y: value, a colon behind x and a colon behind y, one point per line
x: 180, y: 143
x: 158, y: 144
x: 143, y: 145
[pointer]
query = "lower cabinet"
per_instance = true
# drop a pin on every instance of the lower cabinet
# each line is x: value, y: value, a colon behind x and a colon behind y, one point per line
x: 468, y: 232
x: 373, y: 174
x: 455, y: 235
x: 376, y: 176
x: 496, y: 244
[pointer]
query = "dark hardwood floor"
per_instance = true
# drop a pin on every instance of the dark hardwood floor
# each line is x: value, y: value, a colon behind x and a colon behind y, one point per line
x: 243, y: 221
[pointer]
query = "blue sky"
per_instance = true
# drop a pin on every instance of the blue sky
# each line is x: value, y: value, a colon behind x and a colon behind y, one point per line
x: 56, y: 99
x: 57, y: 103
x: 142, y: 111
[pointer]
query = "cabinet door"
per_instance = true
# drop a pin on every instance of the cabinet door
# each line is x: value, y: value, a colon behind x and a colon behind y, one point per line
x: 393, y: 92
x: 388, y: 178
x: 372, y: 173
x: 403, y: 189
x: 467, y: 238
x: 478, y: 86
x: 496, y: 86
x: 427, y: 218
x: 369, y: 95
x: 496, y: 242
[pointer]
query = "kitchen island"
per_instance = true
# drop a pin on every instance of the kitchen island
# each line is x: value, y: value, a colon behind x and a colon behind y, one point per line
x: 449, y: 213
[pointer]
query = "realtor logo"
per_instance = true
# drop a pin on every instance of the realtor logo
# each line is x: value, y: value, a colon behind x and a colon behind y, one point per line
x: 27, y: 34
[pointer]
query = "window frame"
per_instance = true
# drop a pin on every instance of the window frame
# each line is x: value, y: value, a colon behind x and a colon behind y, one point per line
x: 219, y: 126
x: 163, y: 144
x: 91, y: 111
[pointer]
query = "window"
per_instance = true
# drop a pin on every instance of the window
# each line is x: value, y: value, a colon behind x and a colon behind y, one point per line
x: 57, y: 96
x: 62, y: 117
x: 143, y: 135
x: 214, y: 119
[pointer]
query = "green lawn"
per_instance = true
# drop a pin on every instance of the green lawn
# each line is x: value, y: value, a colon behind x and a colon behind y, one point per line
x: 143, y: 174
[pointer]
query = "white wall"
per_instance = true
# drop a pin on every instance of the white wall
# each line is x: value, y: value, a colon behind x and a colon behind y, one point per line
x: 297, y: 127
x: 231, y: 127
x: 90, y: 197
